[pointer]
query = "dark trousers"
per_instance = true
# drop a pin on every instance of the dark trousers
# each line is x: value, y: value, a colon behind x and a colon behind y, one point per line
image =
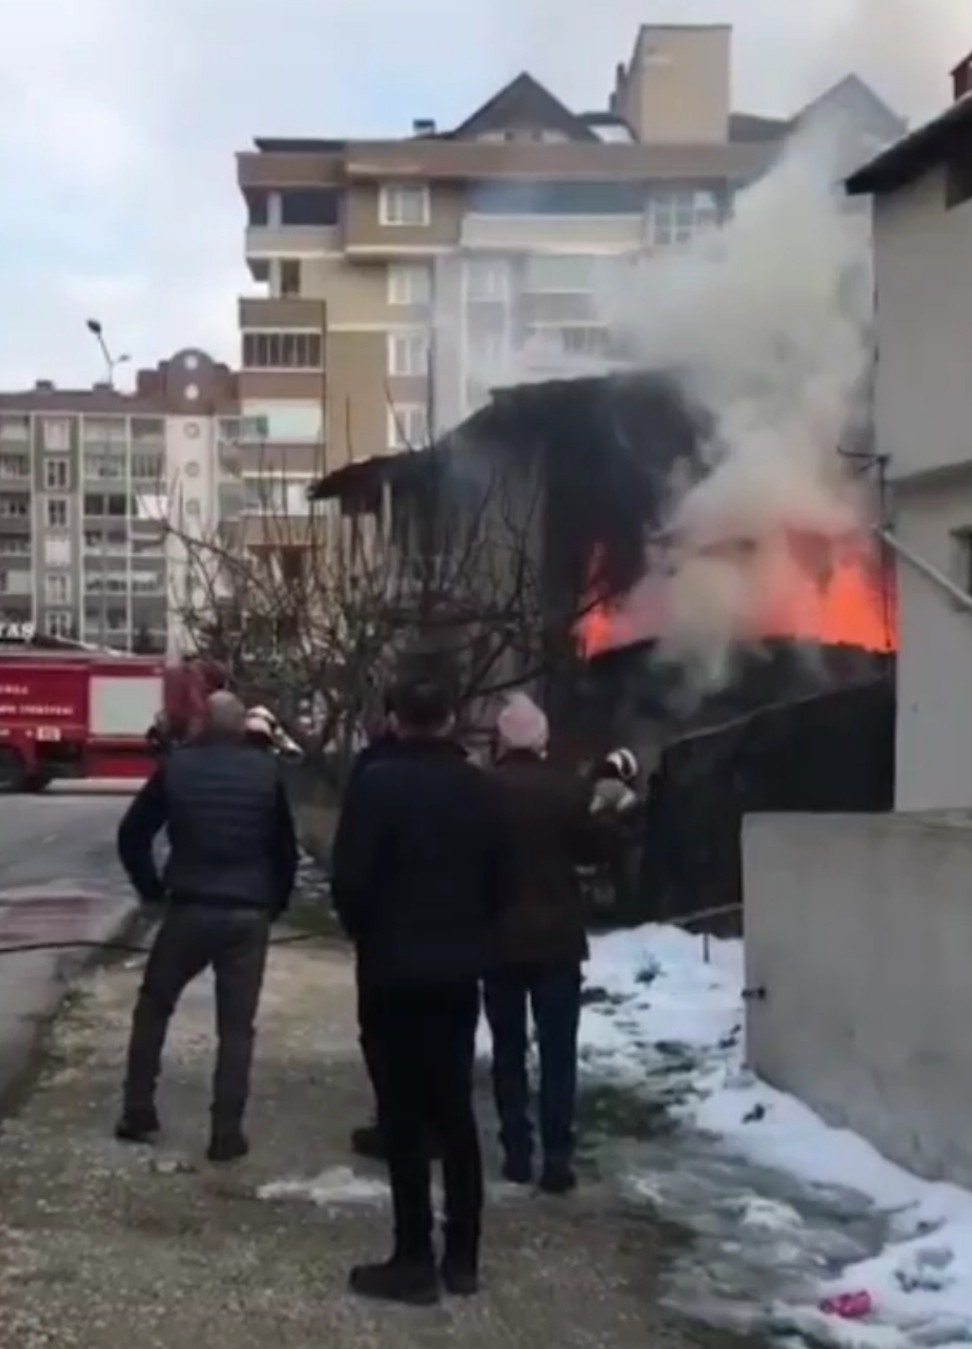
x: 553, y: 994
x: 425, y: 1039
x: 191, y: 938
x: 369, y: 1047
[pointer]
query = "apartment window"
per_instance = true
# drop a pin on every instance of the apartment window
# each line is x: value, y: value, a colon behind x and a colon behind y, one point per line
x: 487, y: 279
x: 677, y: 217
x: 57, y: 588
x: 56, y: 475
x: 104, y: 467
x: 14, y: 466
x: 97, y: 504
x: 408, y: 353
x: 57, y: 551
x: 243, y: 430
x: 14, y: 547
x: 283, y: 351
x: 588, y: 340
x: 148, y: 429
x: 409, y: 284
x: 309, y: 206
x: 147, y: 467
x: 14, y: 430
x: 498, y: 197
x: 560, y: 273
x: 56, y: 433
x: 57, y: 513
x: 290, y: 270
x: 13, y: 507
x: 404, y: 204
x: 408, y: 426
x: 58, y: 623
x: 106, y: 431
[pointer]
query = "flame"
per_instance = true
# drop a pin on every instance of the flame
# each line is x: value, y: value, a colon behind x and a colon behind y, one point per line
x: 832, y: 591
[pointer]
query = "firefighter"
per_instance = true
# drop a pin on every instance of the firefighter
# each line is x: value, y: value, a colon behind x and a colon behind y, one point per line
x: 619, y: 811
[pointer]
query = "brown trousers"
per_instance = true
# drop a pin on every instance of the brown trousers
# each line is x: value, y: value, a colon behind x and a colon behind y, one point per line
x: 192, y: 938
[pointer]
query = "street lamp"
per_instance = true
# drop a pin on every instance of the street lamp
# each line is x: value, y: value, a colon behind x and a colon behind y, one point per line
x: 95, y: 328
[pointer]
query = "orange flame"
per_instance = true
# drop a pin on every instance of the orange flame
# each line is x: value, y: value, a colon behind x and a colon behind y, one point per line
x: 833, y: 592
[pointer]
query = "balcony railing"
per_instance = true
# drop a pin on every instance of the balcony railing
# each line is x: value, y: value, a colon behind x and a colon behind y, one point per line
x: 566, y: 233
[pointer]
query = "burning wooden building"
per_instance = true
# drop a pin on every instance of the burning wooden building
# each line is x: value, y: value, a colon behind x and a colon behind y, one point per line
x: 529, y: 536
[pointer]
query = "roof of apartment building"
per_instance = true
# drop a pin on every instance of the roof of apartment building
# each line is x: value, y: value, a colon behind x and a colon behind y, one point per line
x: 190, y: 381
x: 915, y: 153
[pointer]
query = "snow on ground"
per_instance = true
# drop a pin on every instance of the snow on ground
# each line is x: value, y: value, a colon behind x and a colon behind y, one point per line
x: 660, y: 1018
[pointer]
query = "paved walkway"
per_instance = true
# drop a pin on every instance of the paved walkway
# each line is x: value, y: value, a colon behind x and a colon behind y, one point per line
x: 103, y: 1246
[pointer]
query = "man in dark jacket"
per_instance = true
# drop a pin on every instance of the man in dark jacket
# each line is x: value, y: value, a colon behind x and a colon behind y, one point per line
x: 230, y: 871
x: 418, y: 874
x: 542, y: 946
x: 368, y: 1140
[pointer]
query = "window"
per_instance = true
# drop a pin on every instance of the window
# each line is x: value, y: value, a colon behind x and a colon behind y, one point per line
x: 56, y: 475
x: 57, y: 513
x: 487, y: 279
x: 96, y: 504
x: 14, y: 547
x: 57, y: 588
x: 283, y: 351
x: 13, y: 507
x: 57, y: 551
x: 409, y: 284
x: 257, y: 206
x: 243, y: 430
x: 408, y: 426
x: 308, y: 206
x: 104, y: 467
x: 103, y: 432
x: 408, y: 353
x: 14, y: 466
x: 147, y: 467
x: 290, y: 276
x: 56, y: 433
x: 499, y: 197
x: 58, y: 623
x: 562, y: 273
x: 14, y: 430
x: 404, y: 204
x: 677, y: 217
x: 150, y: 429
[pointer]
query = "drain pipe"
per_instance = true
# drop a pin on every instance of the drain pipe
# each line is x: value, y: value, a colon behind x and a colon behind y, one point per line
x: 944, y: 583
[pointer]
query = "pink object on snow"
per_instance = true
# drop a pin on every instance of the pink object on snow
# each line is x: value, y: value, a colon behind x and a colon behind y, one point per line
x: 849, y: 1306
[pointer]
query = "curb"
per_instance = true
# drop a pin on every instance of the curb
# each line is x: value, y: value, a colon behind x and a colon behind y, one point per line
x: 23, y: 1041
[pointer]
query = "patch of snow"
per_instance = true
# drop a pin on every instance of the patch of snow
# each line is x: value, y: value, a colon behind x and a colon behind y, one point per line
x: 664, y: 1014
x: 338, y: 1185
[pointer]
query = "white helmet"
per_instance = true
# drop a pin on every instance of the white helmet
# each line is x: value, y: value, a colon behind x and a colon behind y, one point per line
x: 624, y: 763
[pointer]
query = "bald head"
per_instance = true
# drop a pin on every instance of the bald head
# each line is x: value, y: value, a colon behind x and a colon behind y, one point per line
x: 225, y: 715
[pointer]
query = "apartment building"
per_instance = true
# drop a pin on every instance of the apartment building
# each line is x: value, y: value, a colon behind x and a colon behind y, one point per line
x: 402, y: 278
x: 100, y: 492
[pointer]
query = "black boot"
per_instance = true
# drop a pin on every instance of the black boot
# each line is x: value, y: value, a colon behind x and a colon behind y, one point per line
x: 558, y: 1178
x: 460, y: 1265
x: 517, y: 1170
x: 137, y: 1126
x: 369, y: 1141
x: 412, y: 1282
x: 227, y: 1143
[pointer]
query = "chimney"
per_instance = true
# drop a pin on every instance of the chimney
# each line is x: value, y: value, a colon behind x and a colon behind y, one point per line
x: 44, y: 386
x: 962, y: 78
x: 423, y: 126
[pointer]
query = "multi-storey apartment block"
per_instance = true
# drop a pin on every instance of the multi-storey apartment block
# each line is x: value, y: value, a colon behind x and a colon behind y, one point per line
x: 402, y: 277
x: 100, y: 492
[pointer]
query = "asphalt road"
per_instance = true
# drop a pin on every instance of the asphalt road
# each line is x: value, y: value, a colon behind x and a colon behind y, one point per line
x: 60, y: 882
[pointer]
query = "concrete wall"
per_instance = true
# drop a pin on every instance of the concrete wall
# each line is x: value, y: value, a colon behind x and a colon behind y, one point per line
x: 860, y: 931
x: 934, y: 722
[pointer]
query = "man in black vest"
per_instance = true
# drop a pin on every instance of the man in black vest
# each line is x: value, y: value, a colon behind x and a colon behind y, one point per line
x: 418, y: 875
x: 231, y: 868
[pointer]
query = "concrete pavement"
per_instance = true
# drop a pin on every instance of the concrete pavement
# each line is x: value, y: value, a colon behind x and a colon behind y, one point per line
x: 59, y: 882
x: 103, y: 1245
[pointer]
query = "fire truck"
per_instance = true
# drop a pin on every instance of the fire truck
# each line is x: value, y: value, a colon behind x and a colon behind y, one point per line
x: 72, y: 711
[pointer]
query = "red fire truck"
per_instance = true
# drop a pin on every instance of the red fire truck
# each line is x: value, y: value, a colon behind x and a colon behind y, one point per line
x: 69, y: 711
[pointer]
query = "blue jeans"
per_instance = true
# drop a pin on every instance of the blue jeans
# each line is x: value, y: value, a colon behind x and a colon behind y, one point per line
x: 553, y: 993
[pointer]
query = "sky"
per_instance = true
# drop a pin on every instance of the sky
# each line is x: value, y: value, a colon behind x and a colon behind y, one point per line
x: 119, y: 121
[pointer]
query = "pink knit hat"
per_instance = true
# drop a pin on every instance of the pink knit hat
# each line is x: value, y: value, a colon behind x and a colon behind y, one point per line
x: 522, y: 725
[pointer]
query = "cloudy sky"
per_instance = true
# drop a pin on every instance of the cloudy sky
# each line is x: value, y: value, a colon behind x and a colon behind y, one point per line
x: 119, y: 120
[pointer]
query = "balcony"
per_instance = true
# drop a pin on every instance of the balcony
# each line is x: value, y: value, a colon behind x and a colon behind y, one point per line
x: 566, y: 233
x: 258, y: 312
x: 291, y: 241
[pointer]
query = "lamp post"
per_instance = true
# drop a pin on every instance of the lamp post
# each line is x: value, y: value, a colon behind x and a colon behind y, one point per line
x: 112, y: 362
